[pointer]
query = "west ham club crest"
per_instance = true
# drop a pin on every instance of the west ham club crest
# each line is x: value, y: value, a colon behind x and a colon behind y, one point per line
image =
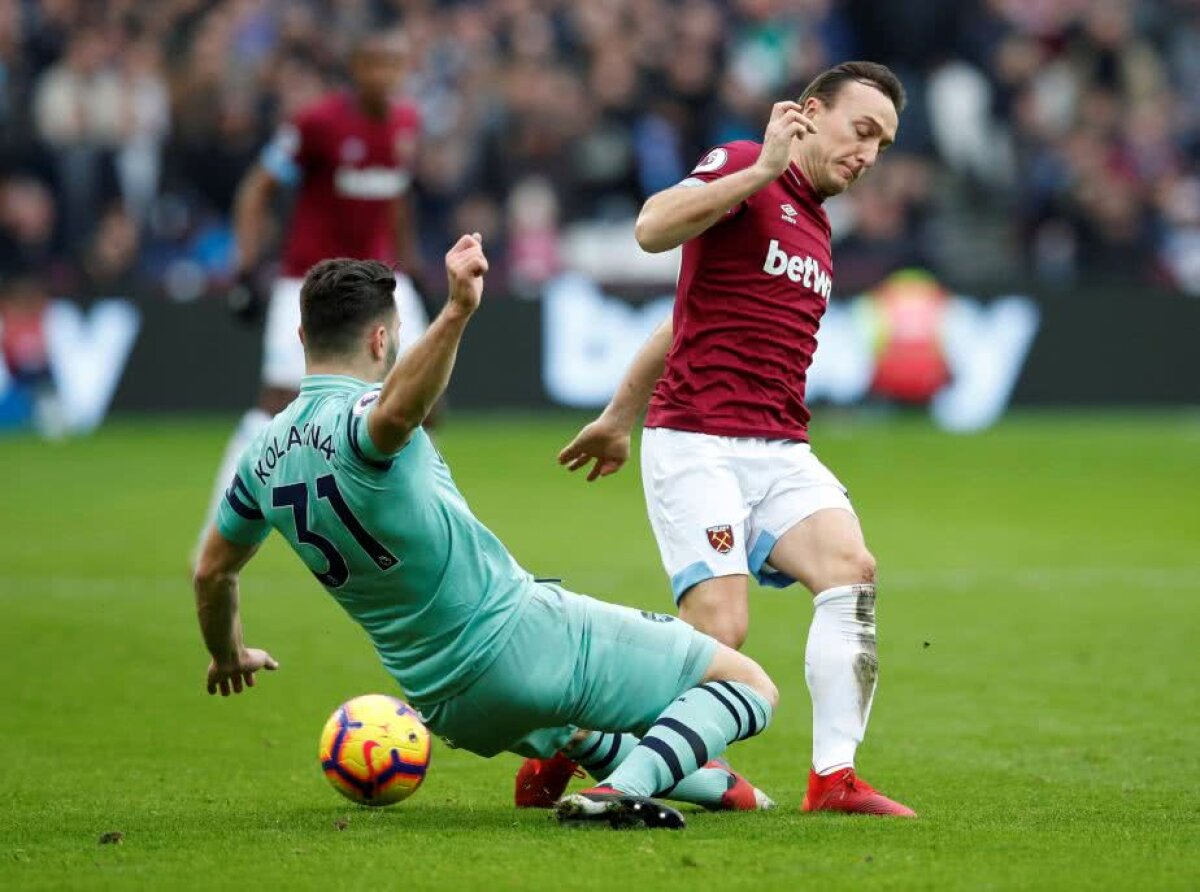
x: 721, y: 538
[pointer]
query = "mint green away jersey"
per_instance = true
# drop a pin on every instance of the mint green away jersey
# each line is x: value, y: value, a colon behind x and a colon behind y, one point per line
x: 390, y: 537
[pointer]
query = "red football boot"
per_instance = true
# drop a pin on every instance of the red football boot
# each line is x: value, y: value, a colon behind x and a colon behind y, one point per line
x: 541, y: 782
x: 741, y: 795
x: 845, y: 791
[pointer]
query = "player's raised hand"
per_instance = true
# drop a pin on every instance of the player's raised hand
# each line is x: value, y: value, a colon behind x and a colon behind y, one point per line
x: 465, y: 268
x: 788, y: 122
x: 236, y: 675
x: 606, y: 443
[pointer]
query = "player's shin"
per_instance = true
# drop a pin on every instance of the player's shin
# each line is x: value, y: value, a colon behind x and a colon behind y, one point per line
x: 841, y: 666
x: 695, y: 728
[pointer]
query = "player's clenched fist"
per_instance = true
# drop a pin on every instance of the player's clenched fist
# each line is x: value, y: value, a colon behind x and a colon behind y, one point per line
x: 787, y: 123
x: 465, y: 268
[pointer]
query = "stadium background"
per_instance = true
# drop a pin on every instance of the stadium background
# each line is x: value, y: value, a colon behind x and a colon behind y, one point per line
x: 1049, y: 151
x: 1033, y: 239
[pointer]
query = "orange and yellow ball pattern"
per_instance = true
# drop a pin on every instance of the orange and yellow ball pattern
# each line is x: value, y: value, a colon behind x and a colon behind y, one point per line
x: 375, y: 750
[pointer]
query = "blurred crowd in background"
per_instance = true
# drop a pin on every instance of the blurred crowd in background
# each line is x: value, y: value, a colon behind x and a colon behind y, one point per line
x: 1045, y: 139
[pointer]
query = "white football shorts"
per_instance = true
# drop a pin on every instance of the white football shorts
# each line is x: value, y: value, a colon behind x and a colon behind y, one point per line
x: 718, y: 505
x: 283, y: 354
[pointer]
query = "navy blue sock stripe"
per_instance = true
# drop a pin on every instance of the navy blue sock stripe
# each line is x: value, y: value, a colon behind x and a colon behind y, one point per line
x: 724, y: 702
x: 583, y: 757
x: 695, y: 741
x: 753, y: 729
x: 664, y: 752
x: 609, y: 757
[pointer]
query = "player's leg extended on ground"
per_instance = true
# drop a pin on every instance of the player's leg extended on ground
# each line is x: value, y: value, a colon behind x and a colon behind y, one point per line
x: 599, y: 753
x: 826, y: 553
x: 734, y: 700
x: 719, y: 607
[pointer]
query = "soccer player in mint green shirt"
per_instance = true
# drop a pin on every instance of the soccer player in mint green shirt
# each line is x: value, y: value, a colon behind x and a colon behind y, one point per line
x: 495, y: 660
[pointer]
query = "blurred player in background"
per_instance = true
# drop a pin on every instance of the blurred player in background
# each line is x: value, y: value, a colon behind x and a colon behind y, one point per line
x: 494, y: 659
x: 732, y: 486
x: 350, y: 158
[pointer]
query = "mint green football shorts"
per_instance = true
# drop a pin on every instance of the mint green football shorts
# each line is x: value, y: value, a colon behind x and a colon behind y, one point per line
x: 573, y: 662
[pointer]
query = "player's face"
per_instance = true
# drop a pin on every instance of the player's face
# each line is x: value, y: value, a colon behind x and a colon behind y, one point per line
x: 378, y: 67
x: 851, y: 134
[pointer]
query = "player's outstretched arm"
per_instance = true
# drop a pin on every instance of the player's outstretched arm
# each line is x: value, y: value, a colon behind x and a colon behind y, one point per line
x: 673, y: 216
x: 216, y: 584
x: 419, y: 378
x: 606, y: 440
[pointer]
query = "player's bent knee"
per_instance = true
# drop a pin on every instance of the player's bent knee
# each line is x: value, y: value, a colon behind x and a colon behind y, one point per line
x: 729, y: 665
x: 852, y: 566
x: 864, y: 566
x: 766, y: 689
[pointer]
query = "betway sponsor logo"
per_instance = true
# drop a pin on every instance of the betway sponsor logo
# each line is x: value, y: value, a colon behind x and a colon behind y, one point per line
x: 804, y: 271
x: 372, y: 183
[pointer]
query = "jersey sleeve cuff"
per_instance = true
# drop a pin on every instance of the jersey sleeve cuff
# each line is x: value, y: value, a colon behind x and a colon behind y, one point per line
x: 359, y: 436
x: 243, y: 533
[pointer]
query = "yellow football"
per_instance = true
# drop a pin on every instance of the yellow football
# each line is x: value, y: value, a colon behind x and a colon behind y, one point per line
x: 375, y: 750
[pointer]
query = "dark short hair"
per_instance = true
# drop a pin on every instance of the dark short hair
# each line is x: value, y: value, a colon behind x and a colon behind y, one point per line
x: 339, y: 298
x: 826, y: 85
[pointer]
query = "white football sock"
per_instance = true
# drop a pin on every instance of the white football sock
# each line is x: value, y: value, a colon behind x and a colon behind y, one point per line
x: 841, y: 666
x: 248, y: 428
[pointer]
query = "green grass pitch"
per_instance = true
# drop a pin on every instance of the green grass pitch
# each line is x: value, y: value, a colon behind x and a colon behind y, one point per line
x: 1038, y: 705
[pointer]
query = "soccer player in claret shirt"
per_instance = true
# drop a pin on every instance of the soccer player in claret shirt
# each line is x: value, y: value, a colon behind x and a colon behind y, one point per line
x: 349, y: 157
x: 494, y: 659
x: 732, y: 487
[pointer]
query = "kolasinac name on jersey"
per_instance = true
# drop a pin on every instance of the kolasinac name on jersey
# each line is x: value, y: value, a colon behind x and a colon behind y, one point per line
x: 388, y: 535
x: 309, y: 436
x: 751, y: 293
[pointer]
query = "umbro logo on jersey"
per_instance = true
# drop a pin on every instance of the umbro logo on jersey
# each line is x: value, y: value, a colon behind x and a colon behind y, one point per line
x: 802, y: 270
x: 789, y: 213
